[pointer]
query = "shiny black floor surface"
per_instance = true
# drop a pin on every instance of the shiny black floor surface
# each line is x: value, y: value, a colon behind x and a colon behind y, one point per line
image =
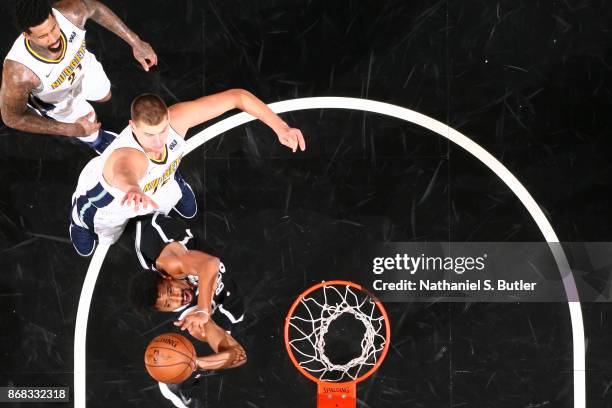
x: 528, y: 81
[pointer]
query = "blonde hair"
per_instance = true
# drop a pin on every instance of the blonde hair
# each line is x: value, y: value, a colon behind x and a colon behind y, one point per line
x: 149, y: 109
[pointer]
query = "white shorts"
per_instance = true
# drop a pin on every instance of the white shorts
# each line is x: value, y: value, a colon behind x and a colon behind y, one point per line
x: 97, y: 205
x: 96, y: 84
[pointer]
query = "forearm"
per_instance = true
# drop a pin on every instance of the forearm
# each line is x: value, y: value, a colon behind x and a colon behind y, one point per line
x: 31, y: 122
x: 222, y: 360
x: 215, y: 361
x: 207, y: 282
x: 104, y: 16
x: 250, y: 104
x: 229, y: 353
x: 124, y: 179
x: 126, y: 183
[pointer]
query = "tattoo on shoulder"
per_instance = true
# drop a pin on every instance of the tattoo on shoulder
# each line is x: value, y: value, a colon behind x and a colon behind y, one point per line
x: 77, y: 11
x: 16, y: 75
x: 16, y: 85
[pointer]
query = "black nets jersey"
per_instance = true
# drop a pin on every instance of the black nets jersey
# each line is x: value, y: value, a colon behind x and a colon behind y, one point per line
x: 153, y: 233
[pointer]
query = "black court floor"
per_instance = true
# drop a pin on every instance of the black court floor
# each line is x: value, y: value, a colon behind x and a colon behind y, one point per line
x: 528, y: 81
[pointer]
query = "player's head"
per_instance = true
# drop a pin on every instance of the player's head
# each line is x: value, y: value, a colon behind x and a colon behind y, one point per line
x: 149, y: 122
x: 150, y: 291
x: 143, y: 290
x: 35, y: 20
x: 173, y: 294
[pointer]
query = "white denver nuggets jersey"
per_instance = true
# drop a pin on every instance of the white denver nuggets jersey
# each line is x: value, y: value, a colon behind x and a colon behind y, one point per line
x: 61, y: 79
x: 97, y: 205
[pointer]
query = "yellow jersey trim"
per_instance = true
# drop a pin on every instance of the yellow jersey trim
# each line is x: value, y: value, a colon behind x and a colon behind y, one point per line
x: 164, y: 157
x: 47, y: 60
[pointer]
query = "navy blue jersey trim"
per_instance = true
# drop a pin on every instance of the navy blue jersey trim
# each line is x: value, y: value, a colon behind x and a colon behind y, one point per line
x: 89, y: 203
x: 39, y: 104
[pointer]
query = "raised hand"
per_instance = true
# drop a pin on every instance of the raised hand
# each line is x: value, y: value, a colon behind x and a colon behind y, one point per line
x: 292, y: 138
x: 143, y: 52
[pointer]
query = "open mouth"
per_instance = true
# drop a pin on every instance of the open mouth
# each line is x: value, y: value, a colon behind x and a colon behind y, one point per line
x: 187, y: 297
x: 56, y: 46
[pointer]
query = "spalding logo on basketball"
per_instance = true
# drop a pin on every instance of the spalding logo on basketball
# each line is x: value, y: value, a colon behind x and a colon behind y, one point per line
x: 170, y: 358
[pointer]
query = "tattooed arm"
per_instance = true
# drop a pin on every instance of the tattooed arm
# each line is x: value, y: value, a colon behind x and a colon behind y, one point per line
x: 17, y: 83
x: 78, y: 11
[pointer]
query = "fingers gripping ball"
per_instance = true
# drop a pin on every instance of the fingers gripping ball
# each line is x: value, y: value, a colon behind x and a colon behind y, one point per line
x: 170, y: 358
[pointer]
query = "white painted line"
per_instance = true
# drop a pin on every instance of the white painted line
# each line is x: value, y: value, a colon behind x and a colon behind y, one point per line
x: 435, y: 126
x: 80, y: 329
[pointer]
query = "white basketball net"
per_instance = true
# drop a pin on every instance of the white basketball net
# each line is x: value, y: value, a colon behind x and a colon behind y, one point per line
x: 308, y: 341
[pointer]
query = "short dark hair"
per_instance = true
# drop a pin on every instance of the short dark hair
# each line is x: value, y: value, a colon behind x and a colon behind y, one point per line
x: 30, y: 13
x: 149, y: 109
x: 143, y: 291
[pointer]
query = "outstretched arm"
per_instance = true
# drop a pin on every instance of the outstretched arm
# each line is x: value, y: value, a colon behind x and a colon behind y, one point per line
x: 17, y: 83
x: 123, y: 169
x: 79, y: 11
x: 228, y: 352
x: 186, y: 115
x: 178, y: 263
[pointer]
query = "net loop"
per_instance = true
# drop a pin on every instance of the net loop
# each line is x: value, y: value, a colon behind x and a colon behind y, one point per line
x: 311, y: 321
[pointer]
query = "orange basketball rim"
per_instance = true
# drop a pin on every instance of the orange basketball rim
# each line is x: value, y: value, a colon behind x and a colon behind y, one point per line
x: 304, y: 339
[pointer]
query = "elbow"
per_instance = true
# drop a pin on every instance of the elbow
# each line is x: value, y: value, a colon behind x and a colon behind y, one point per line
x: 14, y: 120
x: 240, y: 96
x: 208, y: 263
x: 213, y: 262
x: 10, y: 120
x: 238, y: 92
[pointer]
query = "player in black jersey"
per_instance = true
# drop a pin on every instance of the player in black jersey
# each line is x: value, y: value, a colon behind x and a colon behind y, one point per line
x: 186, y: 281
x: 193, y: 284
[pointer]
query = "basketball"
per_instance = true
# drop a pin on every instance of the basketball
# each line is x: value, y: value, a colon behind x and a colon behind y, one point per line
x: 170, y: 358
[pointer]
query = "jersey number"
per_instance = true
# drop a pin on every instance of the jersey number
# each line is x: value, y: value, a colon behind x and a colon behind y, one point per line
x: 73, y: 74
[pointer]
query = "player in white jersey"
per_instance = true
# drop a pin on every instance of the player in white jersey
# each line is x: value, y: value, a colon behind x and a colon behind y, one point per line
x: 94, y: 204
x: 49, y: 75
x: 136, y: 175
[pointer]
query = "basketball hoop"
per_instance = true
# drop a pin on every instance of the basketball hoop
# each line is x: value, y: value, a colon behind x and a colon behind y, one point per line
x: 307, y: 324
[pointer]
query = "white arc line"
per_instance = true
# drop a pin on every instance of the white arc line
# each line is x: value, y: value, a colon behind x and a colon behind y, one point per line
x: 400, y: 113
x: 80, y: 329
